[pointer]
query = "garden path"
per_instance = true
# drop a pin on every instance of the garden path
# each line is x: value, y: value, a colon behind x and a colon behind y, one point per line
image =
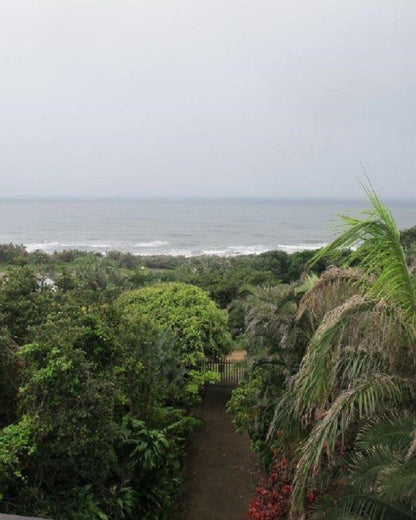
x: 221, y: 472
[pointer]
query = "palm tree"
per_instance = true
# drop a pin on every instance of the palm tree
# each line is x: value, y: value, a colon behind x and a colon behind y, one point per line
x: 361, y: 358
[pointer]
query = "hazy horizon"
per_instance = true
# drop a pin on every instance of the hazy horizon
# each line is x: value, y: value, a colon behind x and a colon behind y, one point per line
x: 361, y: 200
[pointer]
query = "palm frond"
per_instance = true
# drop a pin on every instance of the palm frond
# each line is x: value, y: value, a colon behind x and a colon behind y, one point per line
x: 365, y: 467
x: 412, y: 449
x: 375, y: 243
x: 342, y: 352
x: 306, y: 284
x: 333, y: 287
x: 360, y: 506
x: 375, y: 394
x: 378, y: 470
x: 397, y: 481
x: 286, y: 422
x: 312, y: 383
x: 394, y: 431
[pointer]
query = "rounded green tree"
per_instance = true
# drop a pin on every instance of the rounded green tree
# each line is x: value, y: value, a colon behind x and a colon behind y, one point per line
x: 186, y: 312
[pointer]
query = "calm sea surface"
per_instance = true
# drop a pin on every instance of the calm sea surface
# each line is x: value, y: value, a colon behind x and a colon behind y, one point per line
x: 180, y: 227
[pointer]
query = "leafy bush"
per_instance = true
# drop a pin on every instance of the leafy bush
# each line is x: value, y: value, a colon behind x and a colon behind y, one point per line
x: 186, y: 312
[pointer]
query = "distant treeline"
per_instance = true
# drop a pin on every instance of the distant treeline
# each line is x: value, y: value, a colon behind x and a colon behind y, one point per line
x: 222, y: 277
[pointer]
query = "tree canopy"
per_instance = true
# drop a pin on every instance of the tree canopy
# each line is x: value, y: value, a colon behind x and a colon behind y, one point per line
x: 184, y: 312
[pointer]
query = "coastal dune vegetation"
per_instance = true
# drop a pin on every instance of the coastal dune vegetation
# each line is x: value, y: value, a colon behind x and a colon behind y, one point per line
x: 99, y: 359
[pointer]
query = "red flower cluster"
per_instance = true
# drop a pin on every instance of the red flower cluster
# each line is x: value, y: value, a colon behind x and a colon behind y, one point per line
x: 272, y: 501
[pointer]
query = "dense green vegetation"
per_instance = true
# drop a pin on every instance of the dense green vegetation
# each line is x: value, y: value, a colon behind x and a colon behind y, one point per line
x: 99, y: 373
x: 94, y: 402
x: 330, y: 398
x: 184, y: 311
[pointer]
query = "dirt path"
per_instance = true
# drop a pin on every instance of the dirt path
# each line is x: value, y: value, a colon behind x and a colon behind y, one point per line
x: 221, y: 471
x: 237, y: 355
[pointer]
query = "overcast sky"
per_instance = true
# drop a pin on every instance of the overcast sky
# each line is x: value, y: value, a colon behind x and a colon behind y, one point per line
x: 126, y: 98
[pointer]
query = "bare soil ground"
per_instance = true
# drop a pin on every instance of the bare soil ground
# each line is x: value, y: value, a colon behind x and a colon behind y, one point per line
x: 221, y: 472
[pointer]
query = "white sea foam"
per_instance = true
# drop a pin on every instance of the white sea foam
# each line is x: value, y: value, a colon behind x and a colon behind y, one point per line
x: 259, y: 249
x: 232, y: 250
x: 299, y: 247
x: 237, y: 250
x: 42, y: 246
x: 152, y: 243
x: 188, y: 253
x: 91, y: 245
x: 159, y: 247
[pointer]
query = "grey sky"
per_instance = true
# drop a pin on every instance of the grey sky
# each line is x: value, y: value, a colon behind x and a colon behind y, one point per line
x: 207, y: 97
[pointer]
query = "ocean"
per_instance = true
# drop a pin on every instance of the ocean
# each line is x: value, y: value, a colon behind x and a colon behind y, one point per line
x: 181, y: 227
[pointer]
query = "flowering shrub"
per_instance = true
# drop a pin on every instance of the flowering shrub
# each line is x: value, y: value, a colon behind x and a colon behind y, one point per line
x: 272, y: 500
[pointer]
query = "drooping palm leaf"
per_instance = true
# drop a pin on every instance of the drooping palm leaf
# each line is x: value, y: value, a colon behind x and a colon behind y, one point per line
x: 375, y: 244
x: 330, y: 290
x: 312, y: 382
x: 375, y: 394
x: 286, y: 424
x: 342, y: 352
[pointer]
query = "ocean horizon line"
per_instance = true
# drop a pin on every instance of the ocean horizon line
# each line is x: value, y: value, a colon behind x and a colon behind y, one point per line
x: 408, y: 200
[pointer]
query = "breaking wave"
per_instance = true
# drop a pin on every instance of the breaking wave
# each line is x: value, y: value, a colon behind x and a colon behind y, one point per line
x: 163, y: 247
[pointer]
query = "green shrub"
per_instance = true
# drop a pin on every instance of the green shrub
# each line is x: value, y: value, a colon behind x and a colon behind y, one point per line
x: 186, y: 312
